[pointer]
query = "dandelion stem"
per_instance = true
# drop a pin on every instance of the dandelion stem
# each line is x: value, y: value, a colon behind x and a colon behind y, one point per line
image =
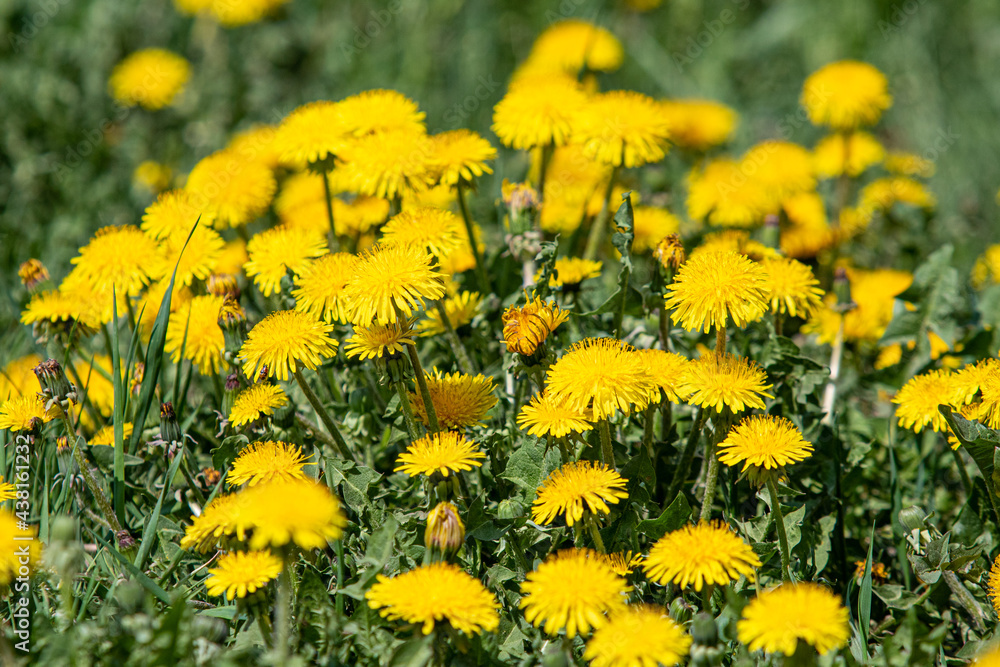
x: 404, y: 405
x: 664, y: 329
x: 830, y: 391
x: 595, y: 534
x: 607, y: 452
x: 596, y: 235
x: 779, y: 519
x: 647, y: 429
x: 340, y: 579
x: 88, y: 476
x: 461, y: 354
x: 710, y: 482
x: 283, y: 611
x: 484, y: 281
x: 331, y: 426
x: 687, y: 456
x: 720, y: 342
x: 332, y: 234
x: 418, y: 375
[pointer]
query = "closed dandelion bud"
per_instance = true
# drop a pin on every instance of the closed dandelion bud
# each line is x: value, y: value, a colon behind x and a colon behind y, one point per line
x: 704, y: 631
x: 62, y: 444
x: 232, y: 319
x: 510, y: 509
x: 912, y: 518
x: 170, y: 430
x: 32, y: 273
x: 229, y: 395
x: 56, y: 389
x: 445, y: 531
x: 211, y: 476
x: 522, y: 205
x: 680, y: 611
x: 223, y: 284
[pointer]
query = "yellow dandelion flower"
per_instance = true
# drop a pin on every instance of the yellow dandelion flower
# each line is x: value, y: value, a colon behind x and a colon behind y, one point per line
x: 95, y: 375
x: 439, y: 453
x: 23, y: 413
x: 233, y: 257
x: 781, y: 168
x: 194, y: 326
x: 538, y: 110
x: 460, y: 401
x: 604, y: 375
x: 988, y: 658
x: 230, y: 190
x: 733, y: 382
x: 543, y: 416
x: 622, y: 128
x: 105, y: 437
x: 525, y: 328
x: 572, y: 45
x: 266, y: 462
x: 460, y: 308
x: 233, y: 14
x: 993, y: 584
x: 254, y: 402
x: 275, y: 252
x: 256, y: 144
x: 390, y: 277
x: 666, y: 370
x: 986, y: 270
x: 380, y: 110
x: 152, y: 176
x: 572, y: 590
x: 712, y: 288
x: 723, y: 193
x: 651, y: 226
x: 445, y: 530
x: 198, y: 259
x: 808, y: 231
x: 55, y: 311
x: 920, y: 397
x: 389, y: 163
x: 889, y: 356
x: 882, y: 193
x: 461, y: 155
x: 776, y: 620
x: 638, y: 635
x: 569, y: 272
x: 14, y: 536
x: 853, y: 153
x: 299, y: 511
x: 216, y: 521
x: 283, y: 341
x: 435, y: 230
x: 7, y: 490
x: 122, y: 257
x: 735, y: 240
x: 378, y: 340
x: 846, y: 95
x: 695, y: 555
x: 439, y: 592
x: 151, y: 78
x: 697, y: 125
x: 173, y: 213
x: 320, y: 283
x: 241, y: 573
x: 17, y: 377
x: 566, y: 490
x: 793, y: 287
x: 310, y: 134
x: 908, y: 164
x: 764, y: 443
x: 623, y: 562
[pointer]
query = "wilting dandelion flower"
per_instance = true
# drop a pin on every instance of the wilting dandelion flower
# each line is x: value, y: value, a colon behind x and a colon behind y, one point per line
x: 151, y: 78
x: 638, y: 636
x: 695, y: 555
x: 267, y: 461
x: 712, y: 288
x: 241, y: 573
x: 255, y: 402
x: 604, y: 375
x: 525, y: 328
x: 578, y: 483
x: 439, y: 453
x: 460, y: 401
x: 845, y: 95
x: 283, y: 341
x: 776, y: 620
x: 732, y: 382
x: 572, y: 590
x: 435, y: 593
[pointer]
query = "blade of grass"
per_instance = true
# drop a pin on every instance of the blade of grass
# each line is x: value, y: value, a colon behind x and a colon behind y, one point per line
x: 865, y: 595
x: 145, y: 581
x: 149, y: 533
x: 118, y: 417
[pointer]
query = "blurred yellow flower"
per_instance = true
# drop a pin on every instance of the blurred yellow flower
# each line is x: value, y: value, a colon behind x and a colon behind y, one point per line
x: 846, y: 95
x: 777, y: 619
x: 697, y: 125
x: 230, y: 190
x: 151, y: 78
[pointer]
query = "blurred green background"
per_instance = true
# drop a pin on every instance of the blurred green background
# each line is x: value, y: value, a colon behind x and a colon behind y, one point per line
x: 67, y: 152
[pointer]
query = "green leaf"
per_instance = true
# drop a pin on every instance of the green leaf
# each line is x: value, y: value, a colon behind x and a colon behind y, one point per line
x: 353, y: 481
x: 227, y: 450
x: 145, y: 581
x: 672, y: 518
x: 416, y: 652
x: 524, y: 467
x: 118, y: 419
x: 979, y: 441
x: 149, y: 531
x: 865, y: 595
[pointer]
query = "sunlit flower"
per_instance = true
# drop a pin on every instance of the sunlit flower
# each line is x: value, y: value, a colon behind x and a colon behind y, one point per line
x: 622, y: 128
x: 578, y: 483
x: 55, y: 311
x: 993, y: 584
x: 152, y: 176
x: 651, y: 224
x: 986, y: 270
x: 378, y: 340
x: 230, y: 190
x: 256, y: 144
x: 988, y: 658
x: 151, y: 78
x: 299, y: 511
x: 266, y: 462
x: 776, y: 620
x: 171, y: 214
x: 276, y: 251
x: 460, y: 401
x: 543, y: 416
x: 233, y: 257
x: 763, y: 443
x: 255, y: 402
x: 194, y: 330
x: 723, y: 193
x: 780, y: 168
x: 7, y: 490
x: 525, y: 328
x: 851, y: 153
x: 538, y: 110
x: 920, y: 397
x: 23, y: 413
x: 666, y: 370
x: 283, y: 341
x: 240, y: 573
x: 604, y: 375
x: 572, y: 45
x: 122, y: 257
x: 435, y: 230
x: 18, y: 377
x: 389, y: 163
x: 439, y: 453
x: 460, y: 309
x: 379, y: 110
x: 695, y: 555
x: 569, y: 272
x: 194, y: 261
x: 572, y: 590
x: 390, y: 277
x: 445, y: 530
x: 216, y: 521
x: 697, y: 125
x: 320, y: 284
x: 882, y: 193
x: 846, y: 95
x: 435, y: 593
x: 310, y: 134
x: 792, y: 287
x: 908, y: 164
x: 105, y: 437
x: 875, y: 293
x: 461, y: 155
x: 735, y: 240
x: 15, y: 535
x: 713, y: 287
x: 638, y: 636
x: 733, y: 382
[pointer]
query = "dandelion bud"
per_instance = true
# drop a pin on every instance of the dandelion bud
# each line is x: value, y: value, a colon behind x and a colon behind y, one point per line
x: 704, y: 631
x: 912, y: 518
x: 509, y: 509
x: 32, y: 274
x: 522, y: 204
x: 56, y: 389
x: 125, y: 540
x: 445, y: 531
x: 680, y: 610
x: 170, y: 430
x: 211, y: 476
x: 223, y: 284
x: 670, y: 252
x: 62, y: 444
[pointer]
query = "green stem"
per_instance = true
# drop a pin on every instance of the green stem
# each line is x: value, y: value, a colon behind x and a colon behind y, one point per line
x: 710, y: 482
x: 595, y: 534
x: 966, y: 482
x: 404, y: 404
x: 418, y: 375
x: 607, y: 452
x: 687, y: 456
x: 779, y: 519
x: 331, y: 426
x: 332, y: 236
x: 461, y: 354
x: 596, y: 235
x: 88, y: 477
x: 720, y: 342
x: 647, y: 429
x: 484, y: 281
x: 283, y: 612
x: 620, y: 310
x: 664, y: 329
x: 340, y: 580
